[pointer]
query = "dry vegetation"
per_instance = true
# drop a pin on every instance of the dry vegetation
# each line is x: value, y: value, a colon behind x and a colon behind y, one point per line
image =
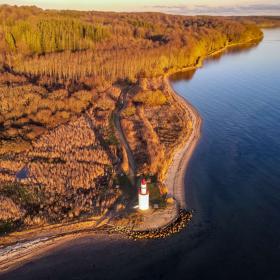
x: 150, y: 98
x: 154, y: 129
x: 9, y: 210
x: 65, y: 172
x: 262, y: 21
x: 28, y: 110
x: 61, y: 76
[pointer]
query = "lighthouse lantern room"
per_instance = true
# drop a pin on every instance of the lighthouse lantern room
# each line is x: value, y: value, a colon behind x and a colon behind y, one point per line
x: 143, y: 196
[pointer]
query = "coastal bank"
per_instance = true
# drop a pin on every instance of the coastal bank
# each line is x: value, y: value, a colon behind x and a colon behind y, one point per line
x: 175, y: 186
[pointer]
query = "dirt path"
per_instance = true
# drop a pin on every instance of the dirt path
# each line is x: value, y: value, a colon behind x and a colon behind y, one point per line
x: 31, y: 244
x: 122, y: 138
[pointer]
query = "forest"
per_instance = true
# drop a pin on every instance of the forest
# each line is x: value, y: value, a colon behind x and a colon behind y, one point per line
x: 62, y: 74
x: 52, y: 63
x: 63, y: 45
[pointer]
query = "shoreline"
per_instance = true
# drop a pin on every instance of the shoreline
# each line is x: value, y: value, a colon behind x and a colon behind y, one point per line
x: 175, y: 175
x: 174, y: 179
x: 27, y: 249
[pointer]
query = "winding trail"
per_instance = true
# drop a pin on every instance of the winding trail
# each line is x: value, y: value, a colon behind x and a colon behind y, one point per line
x: 122, y: 138
x: 32, y: 247
x: 174, y: 181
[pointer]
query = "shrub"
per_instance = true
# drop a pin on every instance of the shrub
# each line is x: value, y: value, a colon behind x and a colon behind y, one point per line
x: 17, y: 146
x: 105, y: 103
x: 43, y: 116
x: 9, y: 210
x: 129, y: 111
x: 150, y: 98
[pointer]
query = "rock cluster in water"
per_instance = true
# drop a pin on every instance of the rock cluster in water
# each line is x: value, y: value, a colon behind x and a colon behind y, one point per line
x: 176, y: 226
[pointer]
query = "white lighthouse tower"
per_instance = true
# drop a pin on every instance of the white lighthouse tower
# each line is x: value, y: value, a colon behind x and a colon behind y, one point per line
x: 143, y: 196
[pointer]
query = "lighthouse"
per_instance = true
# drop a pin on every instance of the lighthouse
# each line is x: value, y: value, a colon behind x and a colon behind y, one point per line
x: 143, y: 196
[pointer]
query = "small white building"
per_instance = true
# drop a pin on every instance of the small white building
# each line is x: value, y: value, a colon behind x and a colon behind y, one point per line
x: 143, y: 196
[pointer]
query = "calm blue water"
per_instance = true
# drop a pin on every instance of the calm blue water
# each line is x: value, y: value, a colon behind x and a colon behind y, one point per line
x: 233, y: 183
x: 234, y: 176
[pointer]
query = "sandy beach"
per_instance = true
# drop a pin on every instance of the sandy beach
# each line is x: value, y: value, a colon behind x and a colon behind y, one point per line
x: 176, y: 173
x: 34, y: 245
x: 177, y: 170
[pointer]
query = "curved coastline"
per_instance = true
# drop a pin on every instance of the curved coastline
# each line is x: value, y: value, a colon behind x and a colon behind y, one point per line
x: 176, y: 172
x: 175, y: 175
x: 174, y: 178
